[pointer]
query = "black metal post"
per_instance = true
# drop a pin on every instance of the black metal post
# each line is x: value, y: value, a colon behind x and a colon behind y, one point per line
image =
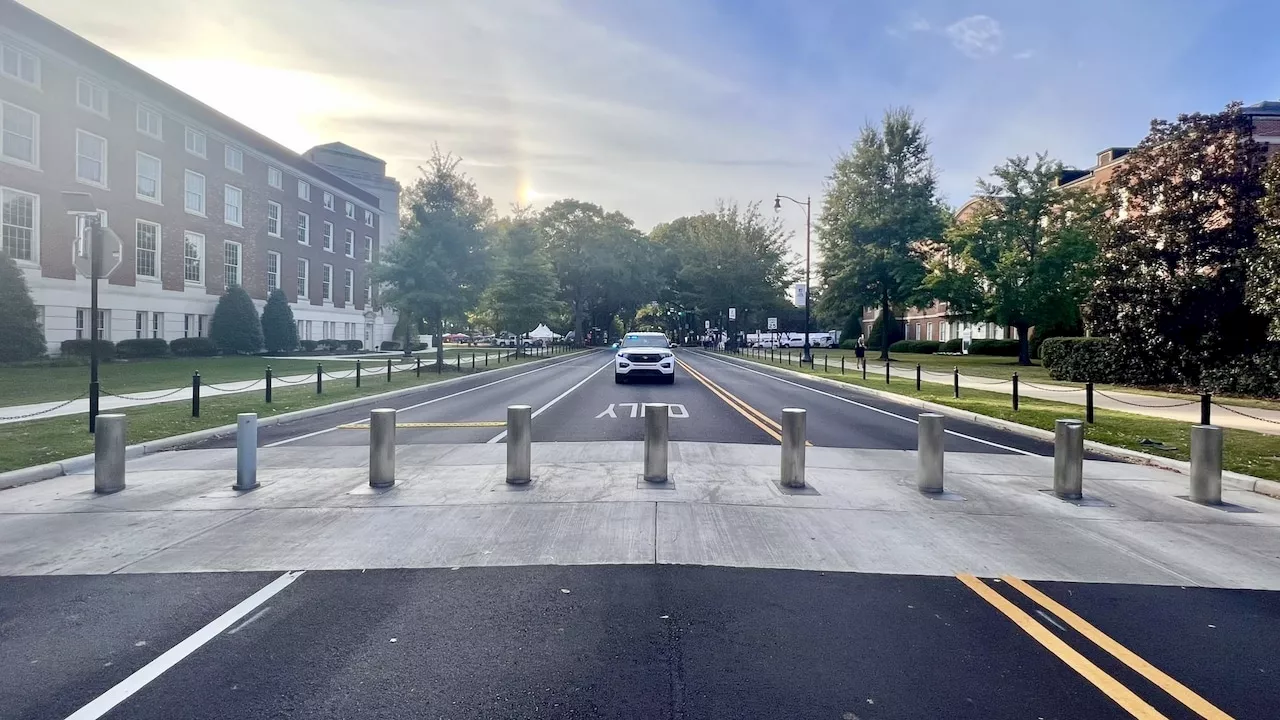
x: 1015, y: 392
x: 268, y: 393
x: 486, y: 358
x: 459, y: 357
x: 917, y: 377
x: 824, y: 363
x: 95, y: 269
x: 357, y: 373
x: 319, y: 379
x: 1205, y: 401
x: 864, y: 369
x: 1088, y: 402
x: 417, y: 369
x: 195, y: 394
x: 473, y: 361
x: 841, y: 364
x: 955, y: 381
x: 886, y: 372
x: 388, y: 369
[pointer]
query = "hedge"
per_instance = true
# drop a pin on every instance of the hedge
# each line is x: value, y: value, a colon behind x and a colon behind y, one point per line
x: 1002, y: 348
x: 142, y: 348
x: 82, y: 348
x: 954, y: 345
x: 389, y: 345
x: 1254, y: 375
x: 925, y: 347
x: 1080, y: 359
x: 353, y: 345
x: 308, y: 345
x: 193, y: 347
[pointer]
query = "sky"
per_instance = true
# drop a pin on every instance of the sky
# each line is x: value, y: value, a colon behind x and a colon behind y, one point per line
x: 662, y: 108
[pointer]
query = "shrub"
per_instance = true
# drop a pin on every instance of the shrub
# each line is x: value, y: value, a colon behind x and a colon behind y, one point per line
x: 1040, y: 334
x: 193, y: 347
x: 1255, y: 375
x: 1002, y: 348
x: 900, y: 346
x: 925, y: 347
x: 309, y: 345
x: 279, y: 331
x: 353, y: 345
x: 329, y: 345
x: 142, y: 348
x: 235, y: 327
x: 848, y: 344
x: 389, y: 345
x: 954, y: 345
x: 81, y: 348
x: 1080, y: 359
x: 20, y: 335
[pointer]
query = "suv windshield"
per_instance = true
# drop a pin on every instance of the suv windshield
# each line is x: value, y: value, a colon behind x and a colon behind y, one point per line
x: 632, y: 341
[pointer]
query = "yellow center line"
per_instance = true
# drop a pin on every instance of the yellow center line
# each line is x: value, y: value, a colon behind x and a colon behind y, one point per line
x: 725, y: 397
x: 428, y: 425
x: 1183, y: 694
x: 1123, y: 696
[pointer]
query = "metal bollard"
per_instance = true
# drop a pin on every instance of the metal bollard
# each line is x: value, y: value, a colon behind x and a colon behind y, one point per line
x: 473, y: 362
x: 388, y: 369
x: 929, y: 453
x: 357, y: 373
x: 195, y: 394
x: 246, y: 451
x: 459, y: 359
x: 382, y: 448
x: 319, y: 378
x: 886, y: 372
x: 519, y: 444
x: 917, y: 377
x: 1206, y: 401
x: 267, y: 399
x: 1068, y: 459
x: 955, y: 380
x: 417, y: 367
x: 656, y: 435
x: 1088, y: 402
x: 1206, y: 464
x: 793, y: 434
x: 841, y: 364
x: 108, y: 454
x: 1015, y: 392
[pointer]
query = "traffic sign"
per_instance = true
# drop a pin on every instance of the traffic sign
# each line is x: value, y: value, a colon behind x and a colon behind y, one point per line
x: 773, y: 323
x: 706, y: 324
x: 111, y: 253
x: 733, y: 313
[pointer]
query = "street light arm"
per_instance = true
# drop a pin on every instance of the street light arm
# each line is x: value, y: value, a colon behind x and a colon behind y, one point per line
x: 788, y: 197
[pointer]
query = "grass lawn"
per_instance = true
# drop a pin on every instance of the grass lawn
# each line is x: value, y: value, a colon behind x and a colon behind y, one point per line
x: 41, y: 441
x: 22, y: 385
x: 1245, y: 452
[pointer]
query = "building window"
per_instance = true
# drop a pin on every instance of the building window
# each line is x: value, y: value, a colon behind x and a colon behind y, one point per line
x: 275, y: 178
x: 91, y: 159
x: 944, y: 331
x: 304, y: 228
x: 273, y: 271
x: 928, y: 331
x: 194, y: 196
x: 273, y: 218
x: 232, y: 206
x: 348, y: 285
x: 150, y: 122
x: 368, y: 218
x: 148, y: 187
x: 157, y: 325
x: 233, y: 158
x: 368, y: 292
x: 140, y: 324
x: 18, y: 224
x: 301, y: 327
x: 328, y: 201
x: 82, y: 325
x: 195, y: 142
x: 231, y: 263
x: 304, y: 269
x: 19, y: 64
x: 193, y: 258
x: 19, y: 135
x: 91, y: 97
x: 193, y: 326
x: 304, y: 190
x: 350, y: 244
x: 326, y: 282
x: 147, y: 241
x: 351, y: 210
x: 328, y: 236
x: 368, y: 249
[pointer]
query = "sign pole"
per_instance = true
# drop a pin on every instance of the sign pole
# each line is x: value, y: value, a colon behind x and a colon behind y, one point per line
x: 95, y: 269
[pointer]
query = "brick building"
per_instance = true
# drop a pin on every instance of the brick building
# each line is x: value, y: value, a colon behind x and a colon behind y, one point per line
x: 199, y: 201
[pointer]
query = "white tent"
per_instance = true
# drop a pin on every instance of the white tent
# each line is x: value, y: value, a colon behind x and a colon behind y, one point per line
x: 542, y: 332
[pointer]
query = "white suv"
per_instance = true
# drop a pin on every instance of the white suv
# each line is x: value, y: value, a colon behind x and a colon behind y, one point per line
x: 644, y: 354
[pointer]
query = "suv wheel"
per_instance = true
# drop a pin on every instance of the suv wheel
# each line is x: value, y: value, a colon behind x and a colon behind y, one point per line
x: 619, y: 379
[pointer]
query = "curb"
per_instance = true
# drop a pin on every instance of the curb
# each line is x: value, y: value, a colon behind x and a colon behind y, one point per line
x: 81, y: 463
x: 1235, y: 480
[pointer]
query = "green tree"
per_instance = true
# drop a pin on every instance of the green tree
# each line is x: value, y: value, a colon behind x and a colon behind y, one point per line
x: 279, y: 331
x: 1025, y: 256
x: 20, y: 335
x: 235, y: 327
x: 880, y: 209
x: 523, y: 291
x: 438, y: 269
x: 1263, y: 283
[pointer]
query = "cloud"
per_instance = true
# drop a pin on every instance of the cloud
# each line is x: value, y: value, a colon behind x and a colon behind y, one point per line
x: 1024, y: 55
x: 976, y: 36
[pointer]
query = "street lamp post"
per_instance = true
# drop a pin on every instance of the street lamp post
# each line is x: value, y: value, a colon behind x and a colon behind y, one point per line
x: 807, y: 356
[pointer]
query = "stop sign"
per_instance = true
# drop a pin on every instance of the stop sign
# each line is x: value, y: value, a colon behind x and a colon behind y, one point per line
x: 111, y: 252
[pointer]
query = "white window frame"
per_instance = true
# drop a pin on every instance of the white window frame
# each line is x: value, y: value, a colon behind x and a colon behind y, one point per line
x: 189, y: 142
x: 239, y: 264
x: 273, y: 276
x: 144, y: 117
x: 304, y: 229
x: 83, y: 134
x: 6, y: 49
x: 5, y: 109
x: 273, y: 205
x: 233, y: 158
x: 138, y: 159
x: 368, y: 249
x: 187, y: 177
x: 140, y: 323
x: 275, y: 177
x: 368, y: 218
x: 368, y: 292
x: 304, y: 279
x: 327, y: 236
x: 326, y: 283
x: 157, y: 325
x: 196, y: 240
x: 348, y: 286
x: 155, y: 252
x: 94, y: 89
x: 103, y: 325
x: 228, y: 192
x: 304, y: 190
x: 328, y: 201
x: 349, y: 244
x: 351, y: 210
x: 34, y: 261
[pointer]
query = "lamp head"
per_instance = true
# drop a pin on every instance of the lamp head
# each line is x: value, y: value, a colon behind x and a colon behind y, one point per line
x: 777, y: 204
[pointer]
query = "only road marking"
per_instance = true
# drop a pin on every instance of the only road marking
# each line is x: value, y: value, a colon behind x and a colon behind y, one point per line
x: 674, y: 410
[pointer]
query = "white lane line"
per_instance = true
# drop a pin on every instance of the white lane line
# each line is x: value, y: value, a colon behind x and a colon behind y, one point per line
x: 105, y: 702
x: 428, y: 402
x: 868, y: 407
x: 498, y: 438
x: 252, y: 618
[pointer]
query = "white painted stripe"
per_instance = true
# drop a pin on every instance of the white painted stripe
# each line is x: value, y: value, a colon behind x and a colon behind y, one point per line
x: 498, y: 438
x: 105, y: 702
x: 867, y: 407
x: 428, y: 402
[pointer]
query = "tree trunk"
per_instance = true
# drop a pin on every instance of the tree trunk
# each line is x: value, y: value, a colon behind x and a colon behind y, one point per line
x: 1024, y: 344
x: 439, y: 322
x: 579, y: 332
x: 884, y: 326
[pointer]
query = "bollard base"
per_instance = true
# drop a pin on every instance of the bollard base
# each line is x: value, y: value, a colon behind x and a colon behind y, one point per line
x: 1082, y: 501
x: 805, y: 489
x: 519, y: 481
x: 655, y: 483
x: 943, y: 496
x: 1223, y: 506
x: 246, y: 488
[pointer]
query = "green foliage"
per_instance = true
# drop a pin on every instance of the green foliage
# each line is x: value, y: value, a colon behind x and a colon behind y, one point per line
x: 852, y: 327
x: 524, y: 289
x: 142, y: 348
x: 1001, y: 348
x: 235, y: 327
x: 352, y: 345
x: 1255, y: 375
x: 848, y: 344
x: 953, y: 345
x: 193, y: 347
x: 20, y: 335
x: 1080, y: 359
x: 84, y: 348
x: 279, y: 331
x: 923, y: 347
x: 1262, y: 286
x: 876, y: 338
x: 1043, y: 332
x: 311, y: 345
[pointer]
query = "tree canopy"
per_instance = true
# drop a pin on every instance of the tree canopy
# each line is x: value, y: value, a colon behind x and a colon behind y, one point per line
x: 523, y: 291
x: 20, y: 335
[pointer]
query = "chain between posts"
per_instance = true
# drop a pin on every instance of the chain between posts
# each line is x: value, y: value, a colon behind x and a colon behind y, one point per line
x: 59, y: 406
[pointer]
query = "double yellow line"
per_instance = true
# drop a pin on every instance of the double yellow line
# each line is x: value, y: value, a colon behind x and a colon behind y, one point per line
x: 1114, y: 689
x: 770, y: 426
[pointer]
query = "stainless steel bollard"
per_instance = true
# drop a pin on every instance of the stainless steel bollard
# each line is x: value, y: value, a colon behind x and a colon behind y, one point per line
x: 108, y: 454
x: 246, y: 451
x: 1068, y: 459
x: 382, y: 448
x: 1206, y: 464
x: 929, y: 453
x: 793, y: 434
x: 519, y: 444
x: 656, y: 434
